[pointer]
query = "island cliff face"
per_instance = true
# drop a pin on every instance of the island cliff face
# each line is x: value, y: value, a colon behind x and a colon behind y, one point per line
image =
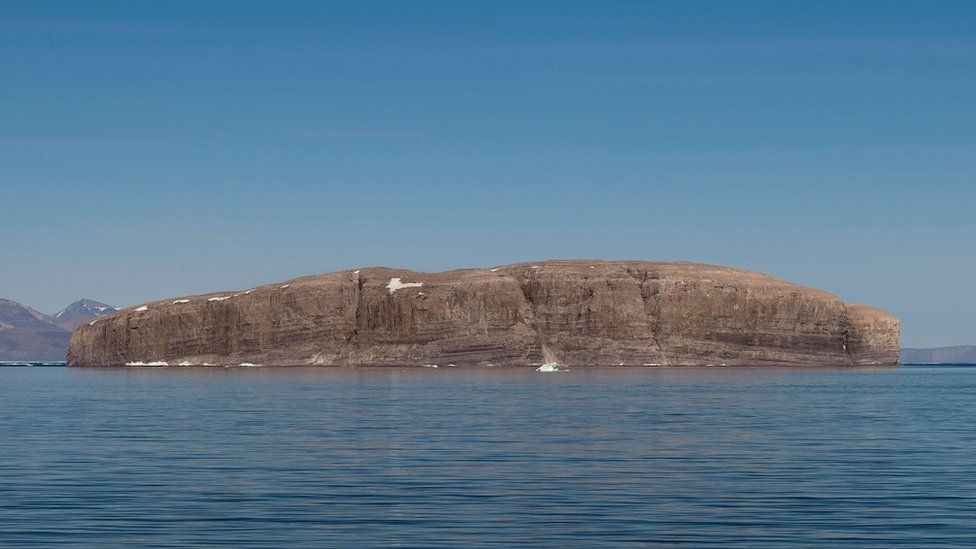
x: 575, y: 313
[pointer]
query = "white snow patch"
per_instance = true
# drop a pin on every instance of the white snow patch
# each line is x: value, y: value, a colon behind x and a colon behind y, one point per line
x: 185, y: 363
x: 181, y: 301
x: 495, y: 270
x: 356, y: 272
x: 593, y: 266
x: 247, y: 292
x: 92, y: 323
x: 143, y: 308
x: 395, y: 284
x: 548, y: 367
x: 537, y: 266
x: 421, y: 293
x: 246, y: 364
x: 285, y: 286
x: 219, y: 298
x: 140, y: 363
x: 430, y: 365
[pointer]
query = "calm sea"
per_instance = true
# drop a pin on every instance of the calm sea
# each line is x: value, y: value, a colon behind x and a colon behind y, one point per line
x: 488, y: 458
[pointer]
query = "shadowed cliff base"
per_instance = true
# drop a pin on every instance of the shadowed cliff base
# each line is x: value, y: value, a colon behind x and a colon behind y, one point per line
x: 576, y: 313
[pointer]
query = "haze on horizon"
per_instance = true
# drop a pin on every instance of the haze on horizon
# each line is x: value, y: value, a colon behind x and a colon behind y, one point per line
x: 160, y: 149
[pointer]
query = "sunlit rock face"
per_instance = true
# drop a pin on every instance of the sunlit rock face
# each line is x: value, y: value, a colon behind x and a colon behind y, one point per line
x: 574, y: 313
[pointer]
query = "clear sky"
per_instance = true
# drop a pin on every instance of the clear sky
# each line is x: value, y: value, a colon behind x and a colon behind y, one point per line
x: 153, y: 149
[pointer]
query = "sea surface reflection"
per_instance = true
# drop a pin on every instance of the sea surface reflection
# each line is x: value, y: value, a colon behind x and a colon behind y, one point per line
x: 488, y: 458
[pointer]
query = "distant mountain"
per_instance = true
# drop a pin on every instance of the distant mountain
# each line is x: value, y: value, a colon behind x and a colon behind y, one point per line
x: 960, y: 354
x: 15, y: 315
x: 27, y: 334
x: 80, y: 312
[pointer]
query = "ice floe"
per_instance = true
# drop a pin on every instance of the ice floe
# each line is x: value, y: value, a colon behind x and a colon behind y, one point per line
x: 395, y: 284
x: 140, y: 363
x: 548, y: 367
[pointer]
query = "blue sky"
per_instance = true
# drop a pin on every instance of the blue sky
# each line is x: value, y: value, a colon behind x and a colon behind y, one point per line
x: 152, y: 149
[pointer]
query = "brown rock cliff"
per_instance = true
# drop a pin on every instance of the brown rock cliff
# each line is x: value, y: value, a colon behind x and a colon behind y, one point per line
x: 577, y: 313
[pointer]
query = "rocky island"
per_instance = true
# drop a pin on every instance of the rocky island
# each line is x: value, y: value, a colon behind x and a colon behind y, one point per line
x: 574, y: 313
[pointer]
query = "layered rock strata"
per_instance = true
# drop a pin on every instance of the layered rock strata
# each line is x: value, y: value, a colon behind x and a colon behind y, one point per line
x: 575, y: 313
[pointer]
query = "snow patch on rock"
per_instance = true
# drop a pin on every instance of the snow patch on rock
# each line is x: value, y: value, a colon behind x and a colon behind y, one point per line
x: 396, y: 284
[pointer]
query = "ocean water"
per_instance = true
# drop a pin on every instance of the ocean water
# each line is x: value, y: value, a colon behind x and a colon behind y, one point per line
x: 488, y: 458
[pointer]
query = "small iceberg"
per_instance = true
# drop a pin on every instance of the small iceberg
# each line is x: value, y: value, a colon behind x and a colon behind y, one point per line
x: 548, y: 367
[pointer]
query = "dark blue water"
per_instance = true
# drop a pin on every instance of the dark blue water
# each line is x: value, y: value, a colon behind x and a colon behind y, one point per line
x: 488, y: 458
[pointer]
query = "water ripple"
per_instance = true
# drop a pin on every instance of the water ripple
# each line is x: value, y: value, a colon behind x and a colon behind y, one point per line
x: 488, y: 458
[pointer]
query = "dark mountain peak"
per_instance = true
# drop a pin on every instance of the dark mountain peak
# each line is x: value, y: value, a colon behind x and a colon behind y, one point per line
x: 16, y: 315
x: 81, y: 311
x: 26, y: 334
